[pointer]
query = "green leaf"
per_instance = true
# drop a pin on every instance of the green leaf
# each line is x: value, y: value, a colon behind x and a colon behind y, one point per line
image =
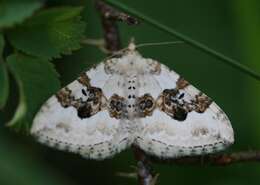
x: 37, y: 80
x: 16, y: 11
x: 4, y: 82
x: 4, y: 85
x: 2, y: 44
x: 50, y: 33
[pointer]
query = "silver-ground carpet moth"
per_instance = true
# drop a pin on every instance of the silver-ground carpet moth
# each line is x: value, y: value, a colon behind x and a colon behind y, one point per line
x: 130, y: 100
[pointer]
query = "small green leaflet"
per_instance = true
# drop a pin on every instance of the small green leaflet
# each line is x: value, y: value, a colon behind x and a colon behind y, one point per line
x: 37, y: 80
x: 50, y: 33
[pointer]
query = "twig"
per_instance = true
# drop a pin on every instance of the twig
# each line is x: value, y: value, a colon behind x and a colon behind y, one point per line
x: 227, y: 60
x: 144, y: 170
x: 109, y: 16
x: 215, y: 160
x: 110, y: 28
x: 111, y: 13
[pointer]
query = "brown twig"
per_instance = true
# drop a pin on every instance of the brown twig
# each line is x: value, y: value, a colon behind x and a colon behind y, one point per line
x: 215, y: 159
x: 109, y: 16
x: 113, y: 14
x: 144, y: 170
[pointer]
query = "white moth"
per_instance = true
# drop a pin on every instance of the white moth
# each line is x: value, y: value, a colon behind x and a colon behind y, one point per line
x: 130, y: 100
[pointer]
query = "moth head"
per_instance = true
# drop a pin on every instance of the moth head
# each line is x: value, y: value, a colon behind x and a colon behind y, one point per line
x: 131, y: 45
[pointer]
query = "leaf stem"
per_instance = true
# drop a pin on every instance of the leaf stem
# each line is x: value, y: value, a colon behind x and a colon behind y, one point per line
x: 225, y: 59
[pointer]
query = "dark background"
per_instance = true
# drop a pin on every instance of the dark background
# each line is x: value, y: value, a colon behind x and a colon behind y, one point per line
x: 230, y: 27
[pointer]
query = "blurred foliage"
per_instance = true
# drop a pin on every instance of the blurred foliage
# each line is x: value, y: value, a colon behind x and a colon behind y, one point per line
x: 49, y: 33
x: 4, y: 87
x: 15, y: 11
x: 249, y: 25
x: 18, y: 166
x: 46, y: 34
x: 34, y: 33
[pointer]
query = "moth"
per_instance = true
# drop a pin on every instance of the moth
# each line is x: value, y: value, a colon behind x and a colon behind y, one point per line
x: 130, y: 100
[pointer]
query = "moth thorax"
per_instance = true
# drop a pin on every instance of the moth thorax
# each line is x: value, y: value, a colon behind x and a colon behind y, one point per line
x: 131, y: 94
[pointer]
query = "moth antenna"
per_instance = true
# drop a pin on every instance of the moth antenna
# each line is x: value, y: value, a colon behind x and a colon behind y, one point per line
x: 132, y: 46
x: 159, y: 43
